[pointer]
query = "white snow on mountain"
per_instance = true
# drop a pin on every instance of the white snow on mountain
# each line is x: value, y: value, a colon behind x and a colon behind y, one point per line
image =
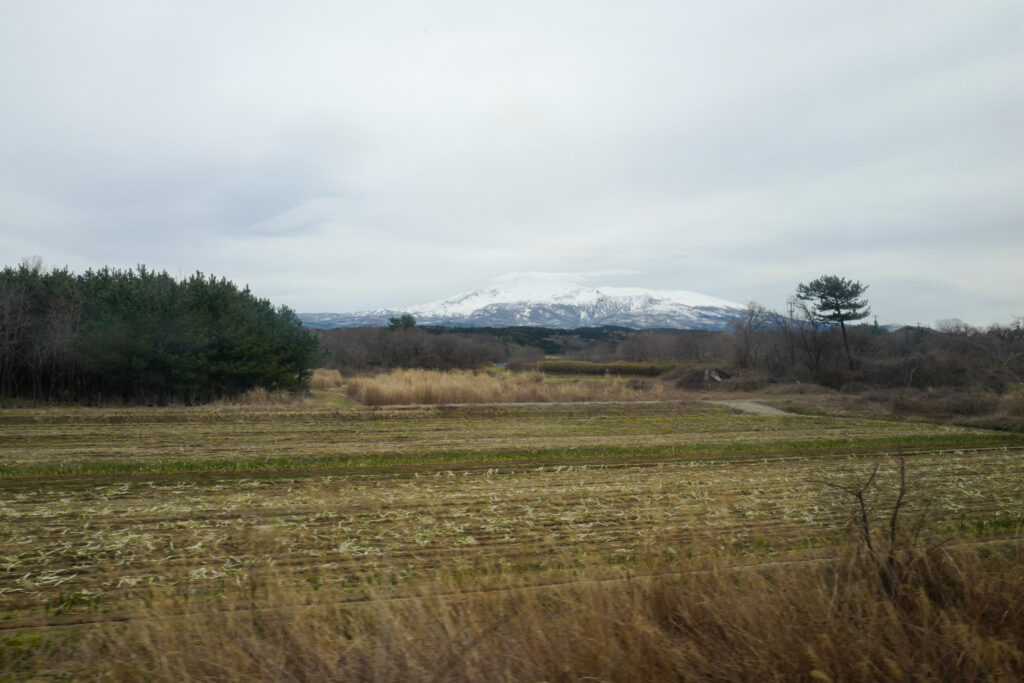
x: 530, y: 288
x: 541, y: 299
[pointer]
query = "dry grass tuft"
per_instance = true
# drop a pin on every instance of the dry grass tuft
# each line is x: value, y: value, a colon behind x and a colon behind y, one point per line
x: 324, y: 379
x: 407, y: 387
x: 259, y: 397
x: 958, y: 616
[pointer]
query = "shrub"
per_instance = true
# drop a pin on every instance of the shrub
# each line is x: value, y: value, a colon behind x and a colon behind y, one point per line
x: 719, y: 379
x: 746, y: 380
x: 1012, y: 403
x: 576, y: 367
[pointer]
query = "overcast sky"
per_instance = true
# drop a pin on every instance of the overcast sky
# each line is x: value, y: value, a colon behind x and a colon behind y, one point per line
x: 338, y: 156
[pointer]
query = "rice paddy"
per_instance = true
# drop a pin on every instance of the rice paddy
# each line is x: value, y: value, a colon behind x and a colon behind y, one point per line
x: 104, y: 508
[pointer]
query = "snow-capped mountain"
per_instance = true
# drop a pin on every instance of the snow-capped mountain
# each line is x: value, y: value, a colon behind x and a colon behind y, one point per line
x: 534, y: 300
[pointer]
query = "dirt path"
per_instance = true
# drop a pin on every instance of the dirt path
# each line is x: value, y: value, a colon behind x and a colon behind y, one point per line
x: 753, y: 407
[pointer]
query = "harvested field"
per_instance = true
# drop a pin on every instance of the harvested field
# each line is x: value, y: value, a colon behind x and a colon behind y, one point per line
x: 97, y: 441
x: 102, y: 507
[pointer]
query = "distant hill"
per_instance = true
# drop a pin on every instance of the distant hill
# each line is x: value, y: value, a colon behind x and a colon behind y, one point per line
x: 537, y: 301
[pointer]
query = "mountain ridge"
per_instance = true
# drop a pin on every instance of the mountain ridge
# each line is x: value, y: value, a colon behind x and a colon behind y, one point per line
x: 535, y: 301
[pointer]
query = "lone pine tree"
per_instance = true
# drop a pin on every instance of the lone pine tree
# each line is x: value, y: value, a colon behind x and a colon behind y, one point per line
x: 836, y: 299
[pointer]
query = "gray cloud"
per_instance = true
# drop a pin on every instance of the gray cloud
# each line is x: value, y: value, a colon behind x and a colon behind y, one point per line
x: 336, y: 156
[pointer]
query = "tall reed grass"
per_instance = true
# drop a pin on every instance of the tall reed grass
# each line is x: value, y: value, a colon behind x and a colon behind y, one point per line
x: 403, y: 387
x: 959, y: 615
x: 324, y: 378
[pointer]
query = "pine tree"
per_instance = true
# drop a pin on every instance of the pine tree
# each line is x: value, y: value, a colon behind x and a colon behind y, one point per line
x: 836, y: 299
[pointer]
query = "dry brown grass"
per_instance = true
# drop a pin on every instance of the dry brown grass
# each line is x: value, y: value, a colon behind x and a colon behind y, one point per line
x: 1012, y: 403
x: 324, y: 378
x: 958, y: 615
x: 407, y: 387
x: 260, y: 397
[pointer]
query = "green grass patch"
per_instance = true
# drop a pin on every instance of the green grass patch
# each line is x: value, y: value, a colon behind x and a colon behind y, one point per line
x: 706, y: 450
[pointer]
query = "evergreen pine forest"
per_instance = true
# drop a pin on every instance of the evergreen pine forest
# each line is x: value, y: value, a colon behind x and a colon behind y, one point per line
x: 143, y: 336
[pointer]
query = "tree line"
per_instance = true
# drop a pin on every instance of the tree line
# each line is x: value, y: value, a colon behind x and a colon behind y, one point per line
x: 764, y: 344
x: 403, y: 344
x: 407, y: 346
x: 816, y: 339
x: 143, y: 336
x: 811, y: 341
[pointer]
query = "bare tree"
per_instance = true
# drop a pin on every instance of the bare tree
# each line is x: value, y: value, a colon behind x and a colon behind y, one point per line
x: 747, y: 328
x: 886, y: 549
x: 807, y: 338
